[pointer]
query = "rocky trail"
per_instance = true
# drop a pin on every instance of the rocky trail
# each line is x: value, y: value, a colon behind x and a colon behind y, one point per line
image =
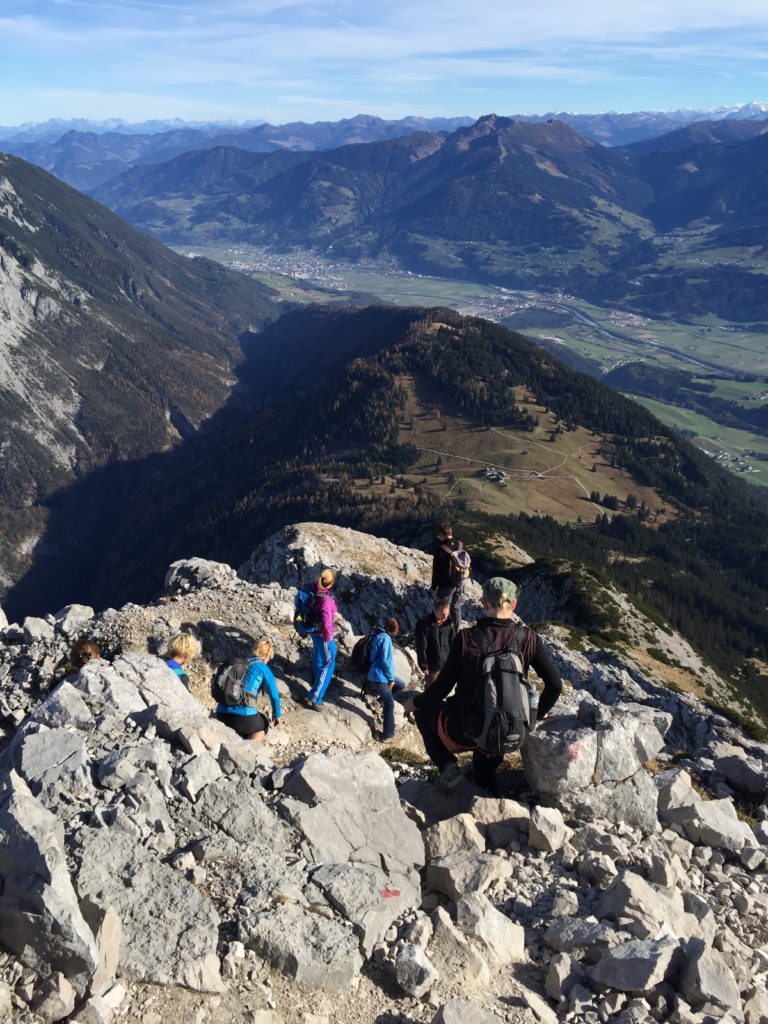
x: 157, y: 869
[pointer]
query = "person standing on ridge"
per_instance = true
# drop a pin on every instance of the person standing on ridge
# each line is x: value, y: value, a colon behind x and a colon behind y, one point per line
x: 448, y: 726
x: 434, y: 635
x: 323, y: 644
x: 451, y: 566
x: 382, y: 673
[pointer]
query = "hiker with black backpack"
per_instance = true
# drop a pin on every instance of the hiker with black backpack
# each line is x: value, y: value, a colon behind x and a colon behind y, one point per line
x: 451, y: 568
x: 322, y: 629
x: 382, y: 672
x: 434, y: 635
x: 493, y: 708
x: 236, y: 687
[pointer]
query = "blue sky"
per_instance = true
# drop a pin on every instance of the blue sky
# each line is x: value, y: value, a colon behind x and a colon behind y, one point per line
x: 279, y: 61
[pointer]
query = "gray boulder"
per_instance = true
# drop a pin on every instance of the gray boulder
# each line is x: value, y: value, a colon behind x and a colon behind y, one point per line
x: 55, y: 999
x: 706, y: 978
x: 370, y: 900
x: 40, y: 918
x: 715, y: 823
x: 637, y: 966
x: 590, y: 937
x: 319, y: 952
x: 453, y: 835
x: 548, y: 832
x: 52, y: 761
x: 564, y: 973
x: 500, y: 939
x: 355, y: 815
x: 72, y: 617
x: 460, y: 1011
x: 190, y: 574
x: 169, y: 930
x: 414, y: 971
x: 461, y: 873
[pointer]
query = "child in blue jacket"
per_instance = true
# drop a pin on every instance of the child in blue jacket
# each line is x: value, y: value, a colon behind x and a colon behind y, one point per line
x: 382, y: 673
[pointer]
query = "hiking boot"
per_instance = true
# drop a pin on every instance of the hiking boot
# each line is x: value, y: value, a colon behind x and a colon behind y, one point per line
x: 449, y: 778
x: 310, y: 704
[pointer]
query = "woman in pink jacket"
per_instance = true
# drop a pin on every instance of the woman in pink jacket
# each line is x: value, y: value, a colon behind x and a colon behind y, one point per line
x: 323, y: 644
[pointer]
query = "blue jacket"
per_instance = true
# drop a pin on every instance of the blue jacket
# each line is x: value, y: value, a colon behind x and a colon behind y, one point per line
x: 382, y: 668
x: 258, y: 675
x: 174, y: 666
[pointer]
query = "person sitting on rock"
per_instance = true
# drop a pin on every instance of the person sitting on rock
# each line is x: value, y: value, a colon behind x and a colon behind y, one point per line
x: 382, y: 673
x: 442, y: 722
x: 83, y: 651
x: 323, y: 644
x: 434, y: 635
x: 245, y: 718
x: 180, y: 651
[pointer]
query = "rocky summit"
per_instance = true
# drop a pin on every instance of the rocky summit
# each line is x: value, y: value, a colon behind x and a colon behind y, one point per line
x: 154, y: 867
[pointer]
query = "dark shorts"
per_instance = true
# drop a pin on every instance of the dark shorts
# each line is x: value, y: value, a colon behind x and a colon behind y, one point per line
x: 244, y: 725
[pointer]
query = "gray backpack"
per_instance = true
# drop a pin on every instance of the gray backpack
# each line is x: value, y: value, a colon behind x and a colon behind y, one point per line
x: 502, y: 718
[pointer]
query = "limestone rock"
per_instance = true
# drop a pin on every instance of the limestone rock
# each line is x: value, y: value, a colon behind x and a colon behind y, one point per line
x: 706, y: 978
x: 453, y: 835
x: 367, y: 898
x: 414, y: 971
x: 560, y: 755
x: 196, y: 774
x: 501, y: 939
x: 637, y: 966
x: 190, y: 574
x: 55, y: 999
x: 314, y: 950
x: 357, y: 815
x: 72, y: 617
x: 40, y: 918
x: 116, y: 872
x: 460, y: 1011
x: 548, y: 831
x: 461, y: 873
x: 715, y: 823
x: 564, y: 972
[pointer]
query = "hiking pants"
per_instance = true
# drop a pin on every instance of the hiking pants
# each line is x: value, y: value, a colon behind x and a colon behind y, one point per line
x: 387, y: 698
x: 323, y: 664
x: 454, y: 595
x: 484, y: 765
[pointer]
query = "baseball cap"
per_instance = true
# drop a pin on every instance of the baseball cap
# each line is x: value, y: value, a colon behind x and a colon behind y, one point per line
x: 497, y: 590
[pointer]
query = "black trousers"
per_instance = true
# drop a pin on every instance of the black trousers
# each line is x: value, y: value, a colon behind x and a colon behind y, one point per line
x: 455, y: 597
x: 484, y: 765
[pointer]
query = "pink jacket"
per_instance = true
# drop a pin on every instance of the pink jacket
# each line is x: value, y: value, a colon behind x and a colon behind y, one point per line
x: 325, y: 612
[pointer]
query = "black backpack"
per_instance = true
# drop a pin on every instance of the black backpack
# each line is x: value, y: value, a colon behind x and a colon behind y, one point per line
x: 227, y: 683
x: 360, y: 659
x: 502, y: 717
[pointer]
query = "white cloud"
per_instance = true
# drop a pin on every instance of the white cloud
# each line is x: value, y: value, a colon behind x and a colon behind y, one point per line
x: 277, y: 51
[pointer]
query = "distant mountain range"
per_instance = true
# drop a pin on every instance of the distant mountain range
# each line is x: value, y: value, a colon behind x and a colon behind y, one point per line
x: 111, y: 347
x: 86, y: 159
x: 505, y: 201
x: 87, y: 154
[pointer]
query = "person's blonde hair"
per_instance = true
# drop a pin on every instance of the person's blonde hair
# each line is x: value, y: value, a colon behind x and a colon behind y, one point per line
x: 183, y: 645
x: 326, y: 578
x: 263, y: 650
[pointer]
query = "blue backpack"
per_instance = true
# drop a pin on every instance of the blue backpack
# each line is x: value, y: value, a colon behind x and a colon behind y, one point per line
x: 304, y: 621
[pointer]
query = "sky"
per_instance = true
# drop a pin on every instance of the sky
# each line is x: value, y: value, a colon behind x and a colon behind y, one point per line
x: 287, y: 60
